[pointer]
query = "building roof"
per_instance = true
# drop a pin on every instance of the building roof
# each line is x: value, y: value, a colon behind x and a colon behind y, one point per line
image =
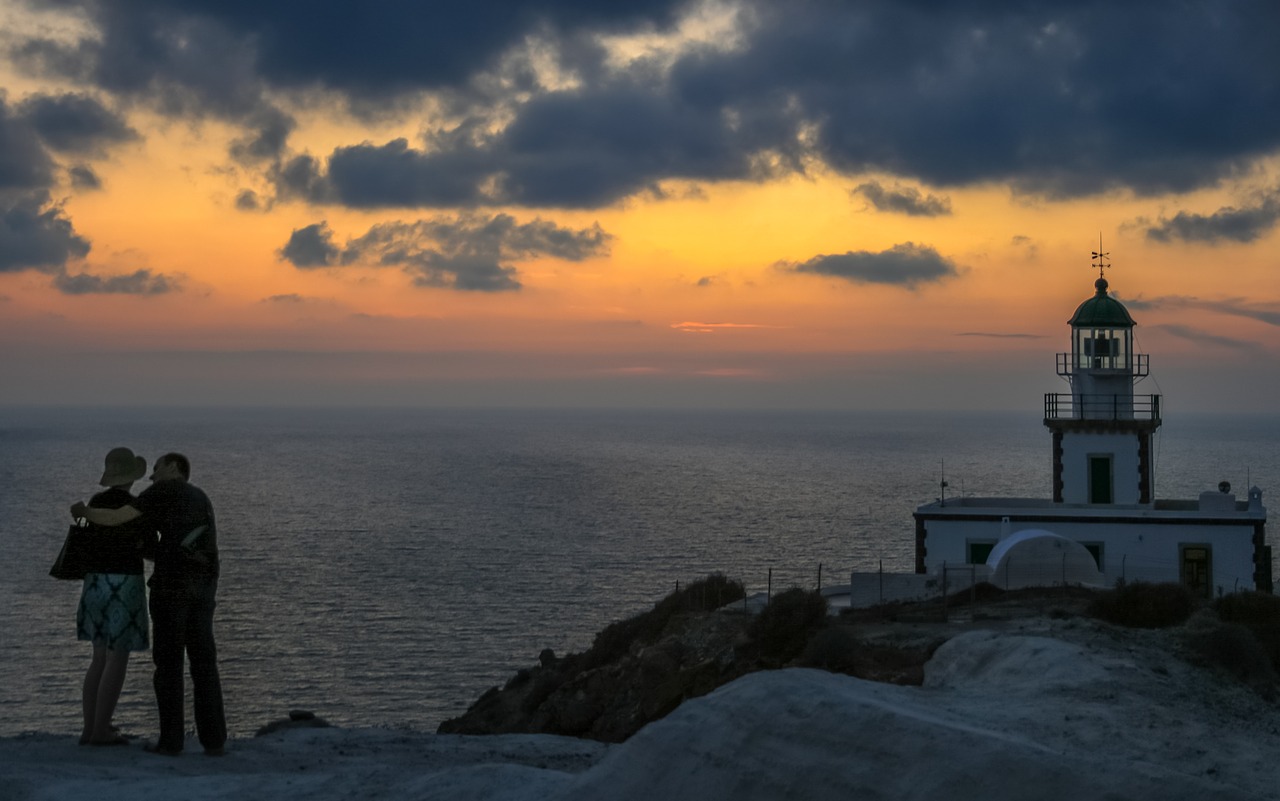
x: 1101, y: 310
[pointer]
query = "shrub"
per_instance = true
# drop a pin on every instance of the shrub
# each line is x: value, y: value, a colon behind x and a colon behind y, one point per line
x: 1249, y: 608
x: 784, y: 626
x: 834, y: 648
x: 1143, y: 605
x: 615, y: 640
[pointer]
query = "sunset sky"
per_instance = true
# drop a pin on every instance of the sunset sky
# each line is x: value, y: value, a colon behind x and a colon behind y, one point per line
x: 885, y: 204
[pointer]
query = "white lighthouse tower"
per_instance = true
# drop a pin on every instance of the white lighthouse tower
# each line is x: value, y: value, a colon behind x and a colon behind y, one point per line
x: 1102, y: 430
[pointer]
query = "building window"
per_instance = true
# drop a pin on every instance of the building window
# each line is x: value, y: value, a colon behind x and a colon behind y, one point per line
x: 979, y: 550
x: 1197, y: 568
x: 1100, y: 483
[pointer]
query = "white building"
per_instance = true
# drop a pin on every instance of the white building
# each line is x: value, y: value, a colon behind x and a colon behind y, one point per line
x: 1102, y: 495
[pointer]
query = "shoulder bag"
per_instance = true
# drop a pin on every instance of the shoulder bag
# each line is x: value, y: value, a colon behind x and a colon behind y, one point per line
x: 72, y: 561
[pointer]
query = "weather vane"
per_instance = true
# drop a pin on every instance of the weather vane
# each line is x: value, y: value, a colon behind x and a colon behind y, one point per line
x: 1101, y: 260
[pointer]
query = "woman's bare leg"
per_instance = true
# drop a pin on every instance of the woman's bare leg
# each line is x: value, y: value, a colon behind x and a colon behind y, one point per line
x: 109, y: 686
x: 89, y: 693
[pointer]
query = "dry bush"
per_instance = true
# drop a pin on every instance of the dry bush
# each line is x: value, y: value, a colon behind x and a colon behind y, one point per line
x: 835, y: 649
x: 1144, y: 605
x: 1260, y: 612
x: 783, y: 628
x: 615, y: 640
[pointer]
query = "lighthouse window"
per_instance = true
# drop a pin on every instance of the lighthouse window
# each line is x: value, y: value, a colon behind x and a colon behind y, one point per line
x: 1101, y: 346
x: 1100, y: 484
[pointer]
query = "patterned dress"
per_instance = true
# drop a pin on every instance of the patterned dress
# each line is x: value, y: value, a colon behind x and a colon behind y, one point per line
x: 113, y: 602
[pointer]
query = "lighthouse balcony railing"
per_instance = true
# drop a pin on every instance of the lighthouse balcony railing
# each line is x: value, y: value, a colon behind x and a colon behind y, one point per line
x: 1137, y: 365
x: 1066, y: 406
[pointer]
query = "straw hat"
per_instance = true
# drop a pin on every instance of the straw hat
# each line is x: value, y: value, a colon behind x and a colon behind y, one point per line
x: 123, y: 468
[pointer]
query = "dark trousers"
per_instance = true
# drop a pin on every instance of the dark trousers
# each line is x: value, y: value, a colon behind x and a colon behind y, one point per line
x: 182, y: 623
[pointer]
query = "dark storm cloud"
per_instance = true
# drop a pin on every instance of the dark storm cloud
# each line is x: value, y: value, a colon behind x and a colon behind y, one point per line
x: 216, y: 51
x: 906, y: 265
x: 24, y: 163
x: 1226, y: 225
x: 470, y: 252
x: 35, y: 234
x: 1060, y: 99
x: 75, y: 123
x: 184, y: 60
x: 142, y: 282
x: 903, y: 200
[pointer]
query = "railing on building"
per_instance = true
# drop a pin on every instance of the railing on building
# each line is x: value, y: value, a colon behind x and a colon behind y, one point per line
x: 1066, y: 406
x: 1137, y: 365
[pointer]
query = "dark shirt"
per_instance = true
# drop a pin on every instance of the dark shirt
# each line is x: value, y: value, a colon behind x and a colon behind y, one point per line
x: 116, y: 549
x: 176, y: 509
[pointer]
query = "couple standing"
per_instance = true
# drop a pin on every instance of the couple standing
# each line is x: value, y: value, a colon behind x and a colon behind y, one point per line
x: 113, y: 614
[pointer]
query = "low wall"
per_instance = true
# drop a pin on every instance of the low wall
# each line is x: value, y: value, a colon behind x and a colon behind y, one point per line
x: 872, y: 589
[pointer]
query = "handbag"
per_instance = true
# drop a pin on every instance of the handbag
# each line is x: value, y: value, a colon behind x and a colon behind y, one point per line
x: 72, y: 561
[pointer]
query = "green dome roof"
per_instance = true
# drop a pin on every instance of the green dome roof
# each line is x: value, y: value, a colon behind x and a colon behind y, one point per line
x: 1101, y: 311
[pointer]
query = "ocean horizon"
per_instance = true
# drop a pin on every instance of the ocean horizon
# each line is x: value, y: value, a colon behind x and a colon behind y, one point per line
x: 386, y: 566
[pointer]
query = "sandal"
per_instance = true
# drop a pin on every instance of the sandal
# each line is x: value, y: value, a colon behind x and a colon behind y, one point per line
x: 115, y: 739
x: 114, y: 729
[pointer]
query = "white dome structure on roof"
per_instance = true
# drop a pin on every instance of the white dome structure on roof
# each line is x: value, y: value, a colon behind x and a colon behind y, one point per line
x: 1039, y: 558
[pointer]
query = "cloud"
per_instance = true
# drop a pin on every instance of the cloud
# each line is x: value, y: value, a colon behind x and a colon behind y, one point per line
x: 35, y: 234
x: 1056, y: 99
x: 269, y: 134
x: 1226, y: 225
x: 311, y: 246
x: 1233, y: 307
x: 1068, y: 101
x: 75, y: 123
x: 708, y: 328
x: 142, y: 282
x: 1205, y: 338
x: 84, y: 178
x: 1028, y: 246
x: 903, y: 200
x: 25, y: 165
x: 248, y: 200
x: 906, y: 265
x: 468, y: 252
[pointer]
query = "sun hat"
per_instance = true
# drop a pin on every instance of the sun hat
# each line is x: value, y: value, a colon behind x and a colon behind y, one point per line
x: 123, y: 468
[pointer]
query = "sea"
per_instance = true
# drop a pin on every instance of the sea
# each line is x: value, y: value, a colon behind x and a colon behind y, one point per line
x: 386, y: 567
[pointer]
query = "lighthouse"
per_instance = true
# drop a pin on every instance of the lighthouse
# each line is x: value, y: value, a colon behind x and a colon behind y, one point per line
x: 1102, y: 523
x: 1102, y: 429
